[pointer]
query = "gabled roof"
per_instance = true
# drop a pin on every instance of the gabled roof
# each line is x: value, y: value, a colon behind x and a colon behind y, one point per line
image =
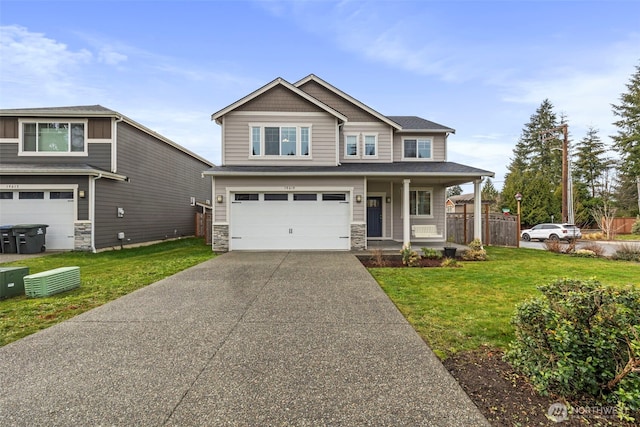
x: 282, y: 82
x: 313, y: 77
x: 88, y: 111
x: 414, y: 123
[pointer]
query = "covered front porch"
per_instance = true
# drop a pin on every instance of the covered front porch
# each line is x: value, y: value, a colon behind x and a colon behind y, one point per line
x: 411, y: 210
x: 391, y: 247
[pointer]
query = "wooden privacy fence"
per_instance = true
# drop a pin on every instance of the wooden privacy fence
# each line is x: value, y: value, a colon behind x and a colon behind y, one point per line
x: 622, y: 225
x: 497, y: 229
x: 203, y: 226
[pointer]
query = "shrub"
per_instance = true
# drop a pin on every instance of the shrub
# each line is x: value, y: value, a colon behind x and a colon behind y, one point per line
x: 410, y: 258
x: 450, y: 262
x: 635, y: 228
x: 597, y: 249
x: 581, y: 338
x: 585, y: 253
x: 377, y: 258
x: 560, y: 247
x: 628, y: 252
x: 430, y: 253
x: 476, y: 252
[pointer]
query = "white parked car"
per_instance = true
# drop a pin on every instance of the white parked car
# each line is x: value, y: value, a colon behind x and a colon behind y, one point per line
x: 551, y: 232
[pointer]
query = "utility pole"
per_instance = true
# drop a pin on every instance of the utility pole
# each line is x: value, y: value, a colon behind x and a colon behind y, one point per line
x: 565, y: 168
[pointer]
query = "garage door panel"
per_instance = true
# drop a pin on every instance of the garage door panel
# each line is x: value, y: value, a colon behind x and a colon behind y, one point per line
x: 290, y: 224
x: 58, y: 214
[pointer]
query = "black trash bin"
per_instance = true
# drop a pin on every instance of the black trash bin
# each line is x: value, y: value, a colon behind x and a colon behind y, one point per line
x: 30, y: 238
x: 7, y: 240
x: 449, y: 252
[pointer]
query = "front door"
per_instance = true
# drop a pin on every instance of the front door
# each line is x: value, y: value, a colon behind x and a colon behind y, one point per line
x: 374, y: 216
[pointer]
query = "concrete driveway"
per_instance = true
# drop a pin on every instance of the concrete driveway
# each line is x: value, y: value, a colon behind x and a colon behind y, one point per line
x: 244, y: 339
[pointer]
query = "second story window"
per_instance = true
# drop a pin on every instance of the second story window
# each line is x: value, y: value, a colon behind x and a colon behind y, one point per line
x: 370, y: 145
x: 351, y: 146
x: 286, y: 141
x: 53, y: 137
x: 416, y: 148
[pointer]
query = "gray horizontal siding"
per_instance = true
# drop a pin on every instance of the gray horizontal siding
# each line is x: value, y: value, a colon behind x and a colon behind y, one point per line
x: 156, y: 199
x: 237, y: 139
x: 279, y: 98
x: 338, y: 103
x: 99, y: 156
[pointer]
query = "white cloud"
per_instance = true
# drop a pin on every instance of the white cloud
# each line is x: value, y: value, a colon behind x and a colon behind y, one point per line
x: 111, y: 57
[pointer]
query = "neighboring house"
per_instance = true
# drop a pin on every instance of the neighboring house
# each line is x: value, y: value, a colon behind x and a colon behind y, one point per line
x: 306, y: 166
x: 96, y: 177
x: 456, y: 204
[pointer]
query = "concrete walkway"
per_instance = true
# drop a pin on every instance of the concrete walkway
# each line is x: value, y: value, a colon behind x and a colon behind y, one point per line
x: 247, y: 339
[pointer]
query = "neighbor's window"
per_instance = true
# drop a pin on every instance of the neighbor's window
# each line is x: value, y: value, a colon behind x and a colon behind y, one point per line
x: 280, y: 140
x: 420, y: 201
x: 53, y: 137
x: 418, y: 148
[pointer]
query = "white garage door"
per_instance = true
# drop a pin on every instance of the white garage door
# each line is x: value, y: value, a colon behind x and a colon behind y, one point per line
x: 289, y: 221
x: 52, y: 207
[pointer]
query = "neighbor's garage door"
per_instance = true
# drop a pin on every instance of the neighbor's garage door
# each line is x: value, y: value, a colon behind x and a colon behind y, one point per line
x: 289, y: 221
x: 52, y: 207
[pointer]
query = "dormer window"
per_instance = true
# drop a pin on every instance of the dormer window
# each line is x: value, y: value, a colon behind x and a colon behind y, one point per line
x: 53, y: 137
x: 285, y: 141
x: 417, y: 148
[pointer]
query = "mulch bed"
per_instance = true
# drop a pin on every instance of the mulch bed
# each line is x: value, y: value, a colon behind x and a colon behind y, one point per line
x: 394, y: 261
x: 504, y: 397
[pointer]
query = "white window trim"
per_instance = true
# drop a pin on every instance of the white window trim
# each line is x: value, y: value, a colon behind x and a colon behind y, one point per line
x: 364, y: 145
x: 417, y: 159
x: 346, y: 154
x: 21, y: 151
x: 296, y: 156
x: 430, y: 190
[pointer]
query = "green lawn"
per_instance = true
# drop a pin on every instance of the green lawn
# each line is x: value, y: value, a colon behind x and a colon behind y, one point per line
x: 104, y: 277
x: 456, y: 309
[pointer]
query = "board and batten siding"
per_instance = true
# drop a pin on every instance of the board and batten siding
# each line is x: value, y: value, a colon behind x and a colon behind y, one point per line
x: 287, y: 184
x: 384, y: 134
x: 156, y: 198
x: 439, y: 145
x: 237, y: 138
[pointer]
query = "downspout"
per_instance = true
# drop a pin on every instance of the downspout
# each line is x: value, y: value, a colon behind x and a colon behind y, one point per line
x: 92, y: 210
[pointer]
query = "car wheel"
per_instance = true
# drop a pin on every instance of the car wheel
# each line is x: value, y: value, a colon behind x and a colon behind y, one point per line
x: 526, y: 237
x: 554, y: 237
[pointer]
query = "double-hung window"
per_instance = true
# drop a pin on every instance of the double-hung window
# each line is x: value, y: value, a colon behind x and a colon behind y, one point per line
x: 417, y: 148
x: 370, y: 145
x: 351, y: 146
x: 53, y: 137
x: 286, y: 141
x: 420, y: 202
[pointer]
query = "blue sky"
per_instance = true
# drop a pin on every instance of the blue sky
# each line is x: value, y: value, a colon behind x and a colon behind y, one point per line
x: 479, y: 67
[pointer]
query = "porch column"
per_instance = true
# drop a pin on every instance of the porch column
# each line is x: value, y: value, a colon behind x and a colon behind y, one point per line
x: 406, y: 215
x: 477, y: 210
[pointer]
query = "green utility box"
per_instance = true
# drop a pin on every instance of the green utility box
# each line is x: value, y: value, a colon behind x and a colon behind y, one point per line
x: 52, y: 282
x: 12, y: 281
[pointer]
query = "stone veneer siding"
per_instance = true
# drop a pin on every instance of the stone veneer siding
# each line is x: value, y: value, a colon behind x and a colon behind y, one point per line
x: 358, y: 237
x: 82, y: 236
x: 220, y: 238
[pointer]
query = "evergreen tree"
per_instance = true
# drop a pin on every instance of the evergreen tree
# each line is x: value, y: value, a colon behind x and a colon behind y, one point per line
x: 536, y: 165
x: 456, y: 190
x: 591, y: 164
x: 627, y: 140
